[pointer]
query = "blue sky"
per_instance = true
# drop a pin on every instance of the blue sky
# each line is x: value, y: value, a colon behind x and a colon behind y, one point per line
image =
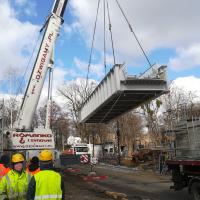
x: 168, y: 30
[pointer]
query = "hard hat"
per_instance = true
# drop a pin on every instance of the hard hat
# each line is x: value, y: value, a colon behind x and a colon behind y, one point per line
x: 18, y: 157
x: 45, y: 155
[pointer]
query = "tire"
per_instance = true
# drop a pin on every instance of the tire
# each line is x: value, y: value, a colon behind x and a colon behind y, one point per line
x: 195, y: 191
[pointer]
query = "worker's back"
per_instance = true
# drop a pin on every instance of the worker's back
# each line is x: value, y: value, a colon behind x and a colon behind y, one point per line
x: 46, y: 184
x: 52, y: 186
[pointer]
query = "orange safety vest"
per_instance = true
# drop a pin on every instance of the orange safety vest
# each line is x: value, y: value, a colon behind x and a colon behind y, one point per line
x: 33, y: 172
x: 3, y: 170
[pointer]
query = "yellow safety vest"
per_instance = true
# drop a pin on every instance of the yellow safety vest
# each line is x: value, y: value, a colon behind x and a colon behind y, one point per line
x: 14, y: 185
x: 48, y: 185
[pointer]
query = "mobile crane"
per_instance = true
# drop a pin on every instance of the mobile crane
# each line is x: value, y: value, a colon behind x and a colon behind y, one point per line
x: 24, y: 137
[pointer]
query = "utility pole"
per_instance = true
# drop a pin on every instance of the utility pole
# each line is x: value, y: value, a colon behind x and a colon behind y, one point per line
x: 63, y: 142
x: 93, y: 144
x: 91, y: 165
x: 2, y: 125
x: 118, y: 143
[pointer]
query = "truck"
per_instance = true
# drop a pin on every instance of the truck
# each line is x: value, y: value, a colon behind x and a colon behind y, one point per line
x: 75, y: 146
x: 80, y: 149
x: 76, y: 152
x: 185, y: 165
x: 23, y: 136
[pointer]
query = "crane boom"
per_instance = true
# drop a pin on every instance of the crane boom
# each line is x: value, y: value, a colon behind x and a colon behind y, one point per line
x: 37, y: 78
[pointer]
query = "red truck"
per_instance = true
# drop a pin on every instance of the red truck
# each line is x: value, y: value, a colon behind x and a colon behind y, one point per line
x: 185, y: 166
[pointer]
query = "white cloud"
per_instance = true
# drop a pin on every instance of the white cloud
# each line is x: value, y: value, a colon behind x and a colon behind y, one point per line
x: 27, y: 7
x: 80, y: 64
x: 30, y: 9
x: 186, y: 58
x: 59, y: 76
x: 157, y: 23
x: 96, y: 70
x: 67, y: 29
x: 190, y: 83
x: 21, y: 2
x: 16, y: 41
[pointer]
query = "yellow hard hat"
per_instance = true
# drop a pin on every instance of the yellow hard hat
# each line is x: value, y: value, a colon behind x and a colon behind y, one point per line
x: 18, y: 157
x: 45, y: 155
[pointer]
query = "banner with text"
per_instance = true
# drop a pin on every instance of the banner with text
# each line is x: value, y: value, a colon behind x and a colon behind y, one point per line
x: 30, y: 140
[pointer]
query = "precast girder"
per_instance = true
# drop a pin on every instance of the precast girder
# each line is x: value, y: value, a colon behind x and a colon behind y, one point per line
x: 118, y: 93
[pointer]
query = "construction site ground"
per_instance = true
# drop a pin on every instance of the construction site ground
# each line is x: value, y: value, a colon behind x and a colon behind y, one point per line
x: 77, y: 189
x: 120, y: 183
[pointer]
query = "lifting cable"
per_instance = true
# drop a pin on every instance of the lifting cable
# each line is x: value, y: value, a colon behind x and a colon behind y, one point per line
x: 131, y: 29
x: 113, y: 52
x: 104, y: 20
x: 105, y: 4
x: 111, y: 36
x: 92, y: 45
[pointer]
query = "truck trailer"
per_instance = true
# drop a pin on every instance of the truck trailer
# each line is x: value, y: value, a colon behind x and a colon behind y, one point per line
x: 185, y: 166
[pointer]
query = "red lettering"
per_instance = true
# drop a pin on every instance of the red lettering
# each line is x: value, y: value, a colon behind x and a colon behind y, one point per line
x: 33, y: 90
x: 45, y: 51
x: 49, y: 37
x: 22, y: 141
x: 21, y: 135
x: 39, y: 72
x: 43, y: 59
x: 38, y: 77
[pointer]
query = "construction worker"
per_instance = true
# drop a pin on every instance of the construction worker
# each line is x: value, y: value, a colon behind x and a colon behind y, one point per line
x: 33, y: 166
x: 14, y: 184
x: 4, y: 169
x: 46, y: 184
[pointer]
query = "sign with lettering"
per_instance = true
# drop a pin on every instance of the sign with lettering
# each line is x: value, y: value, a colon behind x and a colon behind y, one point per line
x: 32, y: 140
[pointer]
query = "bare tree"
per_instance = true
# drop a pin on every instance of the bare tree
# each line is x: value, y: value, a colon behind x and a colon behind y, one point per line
x: 177, y: 104
x: 167, y: 110
x: 11, y: 107
x: 75, y: 94
x: 59, y: 123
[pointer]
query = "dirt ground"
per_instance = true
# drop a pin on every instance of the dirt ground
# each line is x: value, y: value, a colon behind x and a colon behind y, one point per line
x: 135, y: 183
x: 77, y: 189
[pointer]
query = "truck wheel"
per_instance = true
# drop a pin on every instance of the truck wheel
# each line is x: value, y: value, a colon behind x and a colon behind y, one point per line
x: 195, y: 191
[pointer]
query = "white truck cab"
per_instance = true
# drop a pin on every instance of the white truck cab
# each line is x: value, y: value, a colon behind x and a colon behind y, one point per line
x: 80, y: 149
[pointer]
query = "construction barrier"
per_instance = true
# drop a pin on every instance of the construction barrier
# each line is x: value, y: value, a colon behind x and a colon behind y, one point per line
x: 69, y: 159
